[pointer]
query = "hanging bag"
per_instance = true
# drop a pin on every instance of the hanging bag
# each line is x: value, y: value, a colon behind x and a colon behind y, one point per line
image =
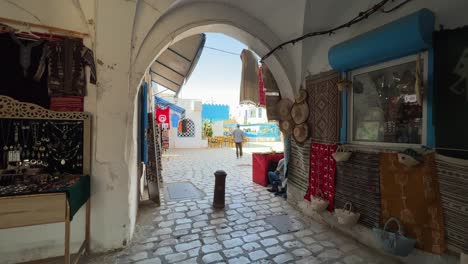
x: 318, y: 203
x: 346, y: 216
x: 341, y: 154
x: 395, y: 243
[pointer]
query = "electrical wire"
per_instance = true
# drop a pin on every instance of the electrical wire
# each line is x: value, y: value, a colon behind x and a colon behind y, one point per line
x: 396, y: 7
x: 221, y: 50
x: 361, y: 16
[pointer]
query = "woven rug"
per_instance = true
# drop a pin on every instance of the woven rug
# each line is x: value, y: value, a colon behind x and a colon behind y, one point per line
x: 322, y: 173
x: 452, y: 174
x: 412, y: 195
x: 298, y: 165
x: 358, y: 182
x: 325, y: 107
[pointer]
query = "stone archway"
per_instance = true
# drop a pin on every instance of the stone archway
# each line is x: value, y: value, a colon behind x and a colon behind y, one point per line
x: 184, y: 19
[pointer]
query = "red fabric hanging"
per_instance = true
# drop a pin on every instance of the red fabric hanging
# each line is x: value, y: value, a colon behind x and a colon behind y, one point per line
x: 163, y: 116
x: 67, y: 104
x: 261, y: 88
x: 322, y: 172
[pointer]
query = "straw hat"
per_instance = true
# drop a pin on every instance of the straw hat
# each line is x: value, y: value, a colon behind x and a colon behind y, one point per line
x: 301, y: 133
x: 284, y: 109
x: 300, y: 112
x: 302, y: 96
x: 286, y: 126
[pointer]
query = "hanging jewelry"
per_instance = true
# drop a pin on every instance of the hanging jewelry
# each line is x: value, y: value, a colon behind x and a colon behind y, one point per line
x: 14, y: 155
x: 5, y: 134
x: 25, y: 133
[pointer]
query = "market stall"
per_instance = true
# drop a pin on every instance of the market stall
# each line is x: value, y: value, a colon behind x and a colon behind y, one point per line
x: 45, y: 166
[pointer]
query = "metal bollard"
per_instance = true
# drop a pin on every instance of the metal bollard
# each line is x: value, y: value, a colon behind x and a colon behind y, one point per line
x: 219, y: 189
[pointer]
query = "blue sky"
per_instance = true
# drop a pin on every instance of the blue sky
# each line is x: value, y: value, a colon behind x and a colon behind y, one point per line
x: 216, y: 78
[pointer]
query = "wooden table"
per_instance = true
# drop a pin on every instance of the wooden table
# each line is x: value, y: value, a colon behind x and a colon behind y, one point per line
x: 39, y: 209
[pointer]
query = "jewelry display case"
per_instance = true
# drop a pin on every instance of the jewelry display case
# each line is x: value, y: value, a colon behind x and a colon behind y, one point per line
x: 45, y: 168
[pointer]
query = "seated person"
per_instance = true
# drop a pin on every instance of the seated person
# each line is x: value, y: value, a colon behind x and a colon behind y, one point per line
x: 276, y: 177
x: 282, y: 192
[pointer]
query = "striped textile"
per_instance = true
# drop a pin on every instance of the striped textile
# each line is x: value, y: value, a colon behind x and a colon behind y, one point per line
x: 298, y: 165
x: 452, y: 174
x: 358, y: 182
x: 67, y: 104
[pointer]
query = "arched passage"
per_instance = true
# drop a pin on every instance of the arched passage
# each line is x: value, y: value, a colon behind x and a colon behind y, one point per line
x: 186, y: 18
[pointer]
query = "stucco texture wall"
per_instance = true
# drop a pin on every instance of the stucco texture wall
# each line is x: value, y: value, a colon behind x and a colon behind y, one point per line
x: 317, y: 17
x: 127, y: 36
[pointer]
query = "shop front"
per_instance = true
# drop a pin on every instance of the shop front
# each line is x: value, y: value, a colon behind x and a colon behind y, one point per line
x: 45, y: 161
x: 383, y: 149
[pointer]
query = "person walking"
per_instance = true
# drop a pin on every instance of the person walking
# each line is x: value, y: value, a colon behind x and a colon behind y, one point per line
x: 238, y: 135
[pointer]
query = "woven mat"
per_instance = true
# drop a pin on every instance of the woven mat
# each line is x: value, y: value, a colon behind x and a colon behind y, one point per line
x: 325, y: 107
x: 412, y: 195
x: 358, y: 182
x: 298, y: 165
x: 452, y: 174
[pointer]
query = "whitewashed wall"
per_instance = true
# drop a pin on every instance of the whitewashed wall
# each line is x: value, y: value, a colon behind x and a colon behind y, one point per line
x: 449, y: 13
x: 144, y: 30
x: 218, y: 128
x: 191, y: 142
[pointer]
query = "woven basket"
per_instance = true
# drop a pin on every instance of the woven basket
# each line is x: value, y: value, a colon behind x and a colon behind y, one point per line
x: 318, y: 203
x: 395, y: 243
x: 341, y: 154
x: 345, y: 216
x: 306, y: 208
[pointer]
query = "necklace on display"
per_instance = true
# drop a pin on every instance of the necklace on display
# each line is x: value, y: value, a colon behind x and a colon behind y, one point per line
x: 25, y: 133
x: 65, y: 129
x: 5, y: 134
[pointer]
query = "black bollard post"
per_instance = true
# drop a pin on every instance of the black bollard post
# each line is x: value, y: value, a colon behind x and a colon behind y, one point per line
x: 219, y: 189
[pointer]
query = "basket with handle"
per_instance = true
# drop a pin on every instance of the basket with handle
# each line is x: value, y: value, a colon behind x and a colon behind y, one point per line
x: 395, y: 243
x: 305, y: 207
x: 341, y: 154
x: 318, y: 203
x: 346, y: 216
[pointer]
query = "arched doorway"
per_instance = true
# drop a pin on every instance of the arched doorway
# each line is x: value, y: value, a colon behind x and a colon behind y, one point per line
x: 183, y: 20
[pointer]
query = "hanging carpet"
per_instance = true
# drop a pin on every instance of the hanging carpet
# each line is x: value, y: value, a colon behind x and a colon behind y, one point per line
x: 322, y: 173
x: 249, y: 81
x: 412, y: 195
x: 325, y: 107
x: 272, y: 93
x: 298, y: 165
x: 452, y: 174
x: 358, y: 182
x: 153, y: 172
x: 451, y: 91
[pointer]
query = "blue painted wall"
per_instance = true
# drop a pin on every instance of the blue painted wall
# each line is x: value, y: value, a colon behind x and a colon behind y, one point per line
x: 215, y: 112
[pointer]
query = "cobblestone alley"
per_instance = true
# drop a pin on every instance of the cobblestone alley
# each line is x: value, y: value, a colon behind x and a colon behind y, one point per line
x: 190, y: 231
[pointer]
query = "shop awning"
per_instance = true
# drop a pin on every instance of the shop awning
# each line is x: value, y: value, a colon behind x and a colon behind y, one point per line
x: 173, y: 67
x: 173, y: 107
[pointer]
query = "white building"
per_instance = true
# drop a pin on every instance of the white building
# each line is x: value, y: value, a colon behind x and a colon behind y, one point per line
x: 250, y: 114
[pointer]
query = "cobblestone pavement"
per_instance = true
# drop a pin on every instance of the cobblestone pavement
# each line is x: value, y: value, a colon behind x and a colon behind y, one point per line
x: 190, y: 231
